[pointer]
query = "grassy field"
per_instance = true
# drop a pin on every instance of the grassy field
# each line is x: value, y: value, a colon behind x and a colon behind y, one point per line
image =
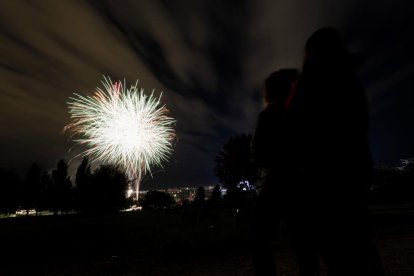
x: 166, y: 242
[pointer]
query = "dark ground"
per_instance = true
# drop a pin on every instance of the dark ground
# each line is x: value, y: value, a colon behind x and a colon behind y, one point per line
x: 169, y: 243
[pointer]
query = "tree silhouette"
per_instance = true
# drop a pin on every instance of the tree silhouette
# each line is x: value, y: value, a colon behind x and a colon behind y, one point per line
x: 393, y: 185
x: 45, y: 193
x: 156, y: 200
x: 215, y: 199
x: 200, y: 197
x: 9, y: 190
x: 83, y: 186
x: 61, y: 191
x: 109, y: 186
x: 234, y: 164
x: 32, y: 188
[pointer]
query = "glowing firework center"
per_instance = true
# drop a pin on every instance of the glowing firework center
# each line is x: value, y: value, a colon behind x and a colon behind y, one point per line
x: 124, y: 127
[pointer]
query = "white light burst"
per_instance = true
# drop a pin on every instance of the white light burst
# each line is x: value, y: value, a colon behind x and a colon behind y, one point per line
x: 124, y: 127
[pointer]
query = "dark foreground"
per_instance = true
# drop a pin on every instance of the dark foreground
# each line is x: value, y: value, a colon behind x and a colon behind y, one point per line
x: 168, y: 242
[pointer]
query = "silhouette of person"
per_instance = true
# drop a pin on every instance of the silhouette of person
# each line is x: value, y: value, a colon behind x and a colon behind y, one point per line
x: 327, y: 115
x: 269, y: 152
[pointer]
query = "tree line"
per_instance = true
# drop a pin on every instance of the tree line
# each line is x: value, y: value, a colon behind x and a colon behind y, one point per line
x: 101, y: 190
x: 234, y: 164
x: 104, y: 189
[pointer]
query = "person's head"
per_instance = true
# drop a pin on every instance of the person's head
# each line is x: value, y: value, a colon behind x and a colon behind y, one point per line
x: 324, y: 43
x: 325, y: 48
x: 278, y: 84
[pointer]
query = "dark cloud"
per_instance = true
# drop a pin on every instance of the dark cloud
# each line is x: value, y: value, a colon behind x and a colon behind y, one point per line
x: 208, y: 58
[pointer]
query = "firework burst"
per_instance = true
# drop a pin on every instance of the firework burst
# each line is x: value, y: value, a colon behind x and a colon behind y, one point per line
x: 124, y: 127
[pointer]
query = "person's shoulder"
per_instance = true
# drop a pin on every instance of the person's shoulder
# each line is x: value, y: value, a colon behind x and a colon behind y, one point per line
x: 272, y: 112
x: 275, y: 108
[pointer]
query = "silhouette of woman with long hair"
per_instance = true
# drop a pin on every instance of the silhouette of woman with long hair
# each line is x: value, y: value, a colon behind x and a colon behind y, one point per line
x: 269, y: 151
x: 328, y: 122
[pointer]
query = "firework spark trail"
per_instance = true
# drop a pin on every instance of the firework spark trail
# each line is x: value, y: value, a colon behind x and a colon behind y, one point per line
x: 124, y: 127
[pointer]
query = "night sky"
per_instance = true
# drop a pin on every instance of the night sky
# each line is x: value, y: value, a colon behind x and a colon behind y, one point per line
x: 208, y: 57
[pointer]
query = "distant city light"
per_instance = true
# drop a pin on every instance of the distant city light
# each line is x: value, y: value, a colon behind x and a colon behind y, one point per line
x: 245, y: 185
x: 24, y: 212
x: 132, y: 208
